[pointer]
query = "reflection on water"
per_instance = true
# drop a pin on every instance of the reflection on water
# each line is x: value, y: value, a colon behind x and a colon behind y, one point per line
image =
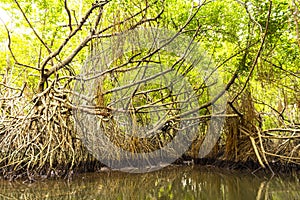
x: 175, y: 182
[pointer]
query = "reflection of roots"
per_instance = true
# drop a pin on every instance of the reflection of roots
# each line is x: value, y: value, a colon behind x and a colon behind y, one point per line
x: 138, y: 144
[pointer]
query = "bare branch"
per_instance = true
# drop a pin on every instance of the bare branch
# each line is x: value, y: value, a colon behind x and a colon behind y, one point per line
x: 257, y: 55
x: 16, y: 96
x: 85, y: 41
x: 32, y: 28
x: 69, y: 15
x: 11, y: 52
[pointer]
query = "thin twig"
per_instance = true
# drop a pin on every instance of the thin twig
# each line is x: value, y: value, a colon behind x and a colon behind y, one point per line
x: 69, y: 15
x: 32, y: 28
x: 257, y: 55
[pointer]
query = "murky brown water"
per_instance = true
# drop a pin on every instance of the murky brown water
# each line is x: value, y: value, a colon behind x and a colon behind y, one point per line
x: 175, y: 182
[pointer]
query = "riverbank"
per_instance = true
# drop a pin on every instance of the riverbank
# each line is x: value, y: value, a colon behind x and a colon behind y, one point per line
x: 217, y: 165
x: 48, y: 145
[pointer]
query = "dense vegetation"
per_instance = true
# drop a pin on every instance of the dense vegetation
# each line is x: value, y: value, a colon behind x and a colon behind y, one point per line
x: 251, y: 46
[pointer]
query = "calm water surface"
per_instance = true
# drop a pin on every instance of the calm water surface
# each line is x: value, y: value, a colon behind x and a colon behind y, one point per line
x: 175, y: 182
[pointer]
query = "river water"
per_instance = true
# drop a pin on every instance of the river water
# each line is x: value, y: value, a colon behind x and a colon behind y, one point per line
x: 173, y: 182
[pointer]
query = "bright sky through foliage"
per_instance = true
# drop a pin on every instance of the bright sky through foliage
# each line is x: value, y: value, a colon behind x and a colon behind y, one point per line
x: 4, y: 16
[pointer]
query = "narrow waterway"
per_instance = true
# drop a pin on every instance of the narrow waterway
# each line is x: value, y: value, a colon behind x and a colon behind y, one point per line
x: 174, y: 182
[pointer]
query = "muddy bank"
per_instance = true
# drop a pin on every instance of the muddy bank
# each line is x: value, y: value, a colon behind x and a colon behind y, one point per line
x: 248, y: 167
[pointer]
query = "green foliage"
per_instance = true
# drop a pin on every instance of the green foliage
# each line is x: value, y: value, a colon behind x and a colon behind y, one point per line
x: 254, y: 45
x: 226, y: 28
